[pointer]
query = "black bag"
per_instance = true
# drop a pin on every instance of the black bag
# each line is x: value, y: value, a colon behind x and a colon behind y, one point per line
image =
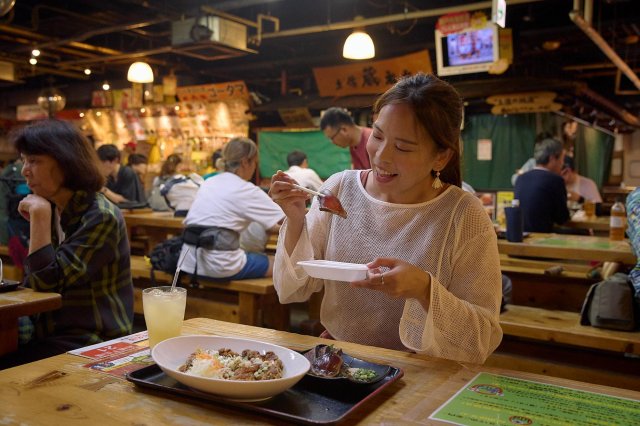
x: 611, y: 304
x: 164, y: 256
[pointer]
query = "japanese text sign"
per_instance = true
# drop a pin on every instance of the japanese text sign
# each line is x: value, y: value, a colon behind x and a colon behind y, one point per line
x: 369, y: 78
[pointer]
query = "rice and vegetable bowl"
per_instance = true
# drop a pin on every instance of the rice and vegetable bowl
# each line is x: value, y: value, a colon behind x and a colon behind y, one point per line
x: 229, y: 365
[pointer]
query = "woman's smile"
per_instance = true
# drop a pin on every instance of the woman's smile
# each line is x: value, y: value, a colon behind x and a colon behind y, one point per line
x: 384, y: 176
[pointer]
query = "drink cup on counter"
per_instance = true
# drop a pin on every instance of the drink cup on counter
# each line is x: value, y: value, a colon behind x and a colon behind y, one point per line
x: 163, y: 312
x: 589, y: 208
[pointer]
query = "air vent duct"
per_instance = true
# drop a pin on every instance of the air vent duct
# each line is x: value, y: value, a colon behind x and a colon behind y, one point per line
x: 209, y: 28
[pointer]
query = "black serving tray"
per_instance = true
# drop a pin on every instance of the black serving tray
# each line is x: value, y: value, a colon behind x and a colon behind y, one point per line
x: 8, y: 285
x: 311, y: 401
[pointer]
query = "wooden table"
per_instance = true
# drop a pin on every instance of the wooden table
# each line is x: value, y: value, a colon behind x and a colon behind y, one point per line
x: 599, y: 224
x: 59, y: 390
x: 157, y: 226
x: 17, y: 303
x: 571, y: 247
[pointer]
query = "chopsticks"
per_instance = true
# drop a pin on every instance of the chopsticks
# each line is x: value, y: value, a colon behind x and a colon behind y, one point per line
x: 307, y: 190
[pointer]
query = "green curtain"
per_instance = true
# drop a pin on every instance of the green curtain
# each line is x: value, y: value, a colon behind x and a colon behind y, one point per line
x: 323, y: 156
x: 593, y: 152
x: 512, y: 140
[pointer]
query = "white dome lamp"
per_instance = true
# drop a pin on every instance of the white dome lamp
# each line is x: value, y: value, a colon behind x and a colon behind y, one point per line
x: 358, y: 45
x: 6, y: 6
x: 140, y: 72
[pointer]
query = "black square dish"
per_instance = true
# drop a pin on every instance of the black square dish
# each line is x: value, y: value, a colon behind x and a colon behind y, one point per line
x: 8, y: 285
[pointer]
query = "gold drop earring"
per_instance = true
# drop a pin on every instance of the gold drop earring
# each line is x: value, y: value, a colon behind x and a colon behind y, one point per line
x: 437, y: 183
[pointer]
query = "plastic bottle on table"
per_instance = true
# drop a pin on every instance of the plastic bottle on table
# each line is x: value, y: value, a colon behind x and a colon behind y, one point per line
x: 514, y: 222
x: 618, y: 222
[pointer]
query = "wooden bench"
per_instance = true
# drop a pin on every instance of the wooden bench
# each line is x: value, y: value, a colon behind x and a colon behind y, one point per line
x: 533, y: 286
x: 249, y: 301
x: 552, y: 342
x: 564, y: 328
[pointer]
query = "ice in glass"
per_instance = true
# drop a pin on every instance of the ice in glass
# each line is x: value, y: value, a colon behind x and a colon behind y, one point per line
x: 163, y: 312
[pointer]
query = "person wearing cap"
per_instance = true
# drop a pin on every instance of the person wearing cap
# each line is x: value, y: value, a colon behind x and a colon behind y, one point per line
x: 579, y: 188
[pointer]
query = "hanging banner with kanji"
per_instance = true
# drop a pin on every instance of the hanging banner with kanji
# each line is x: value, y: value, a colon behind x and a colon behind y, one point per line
x: 369, y: 78
x: 213, y: 92
x: 526, y: 102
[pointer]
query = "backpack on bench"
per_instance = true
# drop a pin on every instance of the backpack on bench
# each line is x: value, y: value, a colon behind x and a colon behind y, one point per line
x: 611, y: 304
x: 164, y: 256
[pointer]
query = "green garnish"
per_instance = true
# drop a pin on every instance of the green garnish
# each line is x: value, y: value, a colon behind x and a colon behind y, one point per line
x: 362, y: 374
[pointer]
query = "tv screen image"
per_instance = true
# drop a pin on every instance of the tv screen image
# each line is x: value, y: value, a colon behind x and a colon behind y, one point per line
x: 470, y: 47
x: 467, y: 51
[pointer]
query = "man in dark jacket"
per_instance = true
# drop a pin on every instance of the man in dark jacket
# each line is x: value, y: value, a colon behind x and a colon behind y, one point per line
x: 541, y: 191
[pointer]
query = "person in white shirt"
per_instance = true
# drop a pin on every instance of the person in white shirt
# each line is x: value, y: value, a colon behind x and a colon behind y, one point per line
x: 434, y: 281
x: 579, y: 188
x: 300, y: 171
x: 225, y: 205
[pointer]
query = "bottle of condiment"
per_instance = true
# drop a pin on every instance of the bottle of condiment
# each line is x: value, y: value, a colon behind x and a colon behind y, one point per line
x: 618, y: 222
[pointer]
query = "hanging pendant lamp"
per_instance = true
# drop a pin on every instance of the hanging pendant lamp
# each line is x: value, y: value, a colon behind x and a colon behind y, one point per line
x: 359, y: 44
x: 140, y: 72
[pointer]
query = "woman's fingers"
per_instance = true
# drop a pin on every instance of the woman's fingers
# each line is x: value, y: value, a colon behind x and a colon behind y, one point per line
x: 385, y: 262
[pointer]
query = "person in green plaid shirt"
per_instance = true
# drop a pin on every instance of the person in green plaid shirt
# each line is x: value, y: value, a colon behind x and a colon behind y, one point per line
x: 78, y: 245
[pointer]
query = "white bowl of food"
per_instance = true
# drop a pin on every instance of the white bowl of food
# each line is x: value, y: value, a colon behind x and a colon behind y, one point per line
x: 198, y: 362
x: 336, y: 271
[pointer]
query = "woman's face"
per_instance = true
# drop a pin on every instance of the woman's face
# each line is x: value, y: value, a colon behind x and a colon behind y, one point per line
x: 44, y: 175
x: 402, y: 156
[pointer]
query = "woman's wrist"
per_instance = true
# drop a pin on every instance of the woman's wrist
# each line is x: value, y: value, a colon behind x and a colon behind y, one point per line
x: 425, y: 301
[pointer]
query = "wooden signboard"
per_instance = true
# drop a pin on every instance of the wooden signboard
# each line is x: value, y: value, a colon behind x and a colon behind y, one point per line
x: 525, y: 102
x: 213, y: 92
x: 296, y: 117
x: 369, y: 78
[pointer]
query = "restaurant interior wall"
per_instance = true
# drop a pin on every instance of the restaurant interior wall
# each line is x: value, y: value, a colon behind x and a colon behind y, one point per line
x: 323, y: 156
x: 593, y: 153
x: 512, y: 139
x: 631, y: 168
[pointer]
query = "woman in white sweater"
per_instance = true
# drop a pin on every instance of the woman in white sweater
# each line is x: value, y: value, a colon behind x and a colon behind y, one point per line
x: 434, y: 283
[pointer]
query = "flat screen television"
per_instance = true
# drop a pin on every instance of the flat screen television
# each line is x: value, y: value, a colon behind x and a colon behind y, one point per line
x: 467, y: 51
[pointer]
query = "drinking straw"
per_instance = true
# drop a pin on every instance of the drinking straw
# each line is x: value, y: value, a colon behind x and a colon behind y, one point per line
x: 175, y: 276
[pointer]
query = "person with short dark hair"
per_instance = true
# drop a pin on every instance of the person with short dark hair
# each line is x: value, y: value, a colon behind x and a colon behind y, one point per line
x: 433, y: 282
x: 78, y: 245
x: 579, y: 188
x: 300, y: 171
x: 338, y: 126
x: 541, y: 191
x: 122, y: 182
x: 138, y: 163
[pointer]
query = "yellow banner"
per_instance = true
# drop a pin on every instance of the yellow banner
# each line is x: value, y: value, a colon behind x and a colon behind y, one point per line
x: 369, y: 78
x: 516, y: 103
x: 213, y: 92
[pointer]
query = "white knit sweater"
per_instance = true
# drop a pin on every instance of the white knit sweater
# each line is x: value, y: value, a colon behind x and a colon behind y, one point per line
x: 451, y: 237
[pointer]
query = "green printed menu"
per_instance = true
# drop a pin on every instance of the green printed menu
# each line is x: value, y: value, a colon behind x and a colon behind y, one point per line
x: 491, y: 399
